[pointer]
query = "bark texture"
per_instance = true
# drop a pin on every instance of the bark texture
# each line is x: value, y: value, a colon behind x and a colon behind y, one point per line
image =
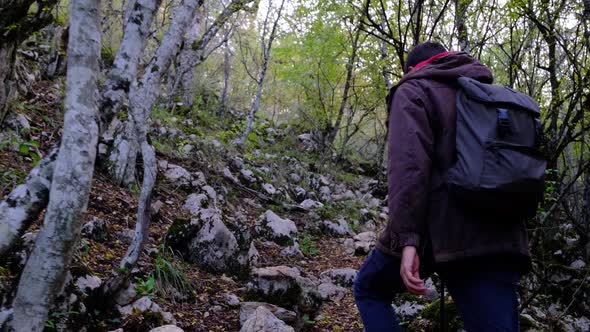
x: 44, y: 273
x: 114, y: 93
x: 462, y: 33
x: 142, y: 97
x: 25, y: 202
x: 266, y: 47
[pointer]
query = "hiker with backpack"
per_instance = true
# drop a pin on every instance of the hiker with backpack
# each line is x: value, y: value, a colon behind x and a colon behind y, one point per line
x: 464, y: 174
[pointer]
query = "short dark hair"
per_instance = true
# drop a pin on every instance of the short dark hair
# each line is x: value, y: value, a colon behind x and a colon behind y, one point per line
x: 421, y: 52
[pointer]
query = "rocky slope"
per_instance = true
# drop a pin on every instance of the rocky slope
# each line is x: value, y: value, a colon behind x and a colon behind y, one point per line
x: 263, y: 238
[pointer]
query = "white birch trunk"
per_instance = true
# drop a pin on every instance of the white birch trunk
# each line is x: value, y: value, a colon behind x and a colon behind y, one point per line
x: 25, y: 202
x: 44, y: 273
x: 123, y: 158
x: 142, y: 97
x: 266, y: 48
x: 140, y: 15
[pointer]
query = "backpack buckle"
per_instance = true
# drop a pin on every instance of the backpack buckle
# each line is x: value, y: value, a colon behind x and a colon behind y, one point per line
x: 503, y: 123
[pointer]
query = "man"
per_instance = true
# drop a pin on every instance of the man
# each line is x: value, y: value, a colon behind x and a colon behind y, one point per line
x: 478, y: 258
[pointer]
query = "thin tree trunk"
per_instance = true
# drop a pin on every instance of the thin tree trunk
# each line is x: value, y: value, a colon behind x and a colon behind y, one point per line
x: 226, y: 75
x: 266, y: 49
x: 333, y: 130
x: 7, y: 86
x: 462, y: 33
x: 45, y: 271
x: 186, y: 72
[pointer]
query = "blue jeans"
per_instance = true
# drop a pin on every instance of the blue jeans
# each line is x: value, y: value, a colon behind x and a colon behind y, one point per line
x: 487, y: 300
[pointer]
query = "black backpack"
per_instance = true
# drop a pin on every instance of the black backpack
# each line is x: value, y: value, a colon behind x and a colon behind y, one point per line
x: 499, y: 170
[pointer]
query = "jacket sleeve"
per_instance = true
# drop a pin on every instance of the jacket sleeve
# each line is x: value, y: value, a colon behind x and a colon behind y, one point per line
x: 410, y: 152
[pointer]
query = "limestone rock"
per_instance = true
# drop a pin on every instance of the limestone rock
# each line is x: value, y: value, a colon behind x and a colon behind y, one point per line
x: 287, y: 287
x: 364, y: 242
x: 248, y: 308
x: 247, y: 175
x: 88, y: 283
x: 269, y: 189
x: 126, y: 295
x: 195, y: 203
x: 310, y: 204
x: 264, y: 321
x: 336, y: 228
x: 145, y: 304
x: 177, y: 174
x: 329, y: 291
x: 95, y: 229
x: 348, y: 245
x: 275, y: 228
x: 341, y: 277
x: 167, y: 328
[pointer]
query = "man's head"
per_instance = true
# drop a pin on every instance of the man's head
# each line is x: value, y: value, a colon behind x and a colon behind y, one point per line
x: 421, y: 52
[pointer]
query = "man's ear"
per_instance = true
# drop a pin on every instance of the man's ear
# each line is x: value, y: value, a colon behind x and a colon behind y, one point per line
x: 411, y: 68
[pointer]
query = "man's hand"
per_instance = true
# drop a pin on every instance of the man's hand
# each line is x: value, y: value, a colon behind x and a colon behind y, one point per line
x: 409, y: 271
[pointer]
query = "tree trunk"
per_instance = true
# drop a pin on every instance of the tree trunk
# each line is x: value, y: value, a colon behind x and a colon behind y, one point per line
x: 45, y: 271
x: 7, y: 86
x: 142, y: 97
x: 121, y: 159
x: 226, y: 75
x: 186, y: 72
x: 462, y: 33
x: 333, y: 130
x: 25, y: 202
x: 17, y: 23
x: 266, y: 49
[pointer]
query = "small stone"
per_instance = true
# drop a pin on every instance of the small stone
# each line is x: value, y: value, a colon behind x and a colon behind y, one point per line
x: 329, y: 291
x: 156, y: 207
x: 263, y: 320
x: 338, y: 228
x: 578, y: 264
x: 232, y: 300
x: 295, y: 178
x: 166, y: 328
x: 248, y: 175
x: 228, y: 175
x: 126, y: 295
x: 95, y: 229
x: 310, y: 204
x: 341, y: 277
x: 269, y: 188
x: 88, y: 283
x: 187, y: 148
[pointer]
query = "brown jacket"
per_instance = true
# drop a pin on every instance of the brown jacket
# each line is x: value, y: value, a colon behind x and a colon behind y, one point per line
x: 421, y: 148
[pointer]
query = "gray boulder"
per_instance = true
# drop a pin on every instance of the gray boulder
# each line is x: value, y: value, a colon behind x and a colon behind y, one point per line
x: 331, y: 292
x: 341, y: 277
x: 310, y: 204
x: 95, y: 229
x: 264, y: 321
x: 336, y: 228
x: 145, y: 304
x: 247, y: 309
x: 286, y: 287
x: 274, y: 228
x: 167, y: 328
